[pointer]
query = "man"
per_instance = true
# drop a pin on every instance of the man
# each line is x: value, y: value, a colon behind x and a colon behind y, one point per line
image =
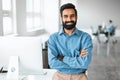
x: 69, y: 50
x: 109, y: 30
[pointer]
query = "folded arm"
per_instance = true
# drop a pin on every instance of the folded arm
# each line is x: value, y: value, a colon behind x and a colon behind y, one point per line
x: 53, y: 57
x: 84, y: 59
x: 58, y: 61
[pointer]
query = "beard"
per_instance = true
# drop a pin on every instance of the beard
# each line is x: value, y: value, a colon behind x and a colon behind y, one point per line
x: 69, y: 26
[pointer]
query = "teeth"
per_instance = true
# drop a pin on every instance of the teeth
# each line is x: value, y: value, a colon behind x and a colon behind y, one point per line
x: 69, y: 23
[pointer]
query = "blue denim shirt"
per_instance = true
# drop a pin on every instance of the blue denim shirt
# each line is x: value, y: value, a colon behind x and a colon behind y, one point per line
x: 69, y: 46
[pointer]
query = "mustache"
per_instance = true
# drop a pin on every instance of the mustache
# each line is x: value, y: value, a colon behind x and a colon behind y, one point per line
x: 69, y: 22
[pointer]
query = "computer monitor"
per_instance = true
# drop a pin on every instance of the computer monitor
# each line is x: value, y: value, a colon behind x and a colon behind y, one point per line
x: 28, y: 49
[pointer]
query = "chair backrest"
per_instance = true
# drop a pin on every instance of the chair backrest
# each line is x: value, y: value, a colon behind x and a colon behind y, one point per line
x: 113, y: 32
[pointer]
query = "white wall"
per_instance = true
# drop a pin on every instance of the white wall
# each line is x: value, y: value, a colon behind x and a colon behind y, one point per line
x: 51, y: 15
x: 95, y: 12
x: 1, y: 23
x: 68, y: 1
x: 21, y: 16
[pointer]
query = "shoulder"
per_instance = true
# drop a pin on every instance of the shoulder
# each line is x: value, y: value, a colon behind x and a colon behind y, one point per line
x: 85, y: 37
x: 84, y: 34
x: 54, y: 35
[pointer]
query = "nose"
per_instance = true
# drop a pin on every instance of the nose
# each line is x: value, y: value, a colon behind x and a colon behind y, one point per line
x: 69, y: 18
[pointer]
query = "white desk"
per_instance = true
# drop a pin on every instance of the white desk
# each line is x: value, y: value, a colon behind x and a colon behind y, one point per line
x: 47, y: 76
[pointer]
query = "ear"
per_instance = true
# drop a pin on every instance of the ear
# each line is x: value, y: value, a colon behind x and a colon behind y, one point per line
x: 76, y: 17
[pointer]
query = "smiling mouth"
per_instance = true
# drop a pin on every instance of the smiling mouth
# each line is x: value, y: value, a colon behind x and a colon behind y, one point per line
x: 69, y: 23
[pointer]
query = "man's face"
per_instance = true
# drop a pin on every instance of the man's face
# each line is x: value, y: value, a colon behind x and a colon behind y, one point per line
x: 69, y: 19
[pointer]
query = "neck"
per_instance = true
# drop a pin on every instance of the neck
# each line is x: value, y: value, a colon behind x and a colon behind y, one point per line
x: 69, y: 32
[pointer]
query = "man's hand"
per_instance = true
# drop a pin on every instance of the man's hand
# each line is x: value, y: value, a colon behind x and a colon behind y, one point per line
x: 60, y: 57
x: 83, y: 52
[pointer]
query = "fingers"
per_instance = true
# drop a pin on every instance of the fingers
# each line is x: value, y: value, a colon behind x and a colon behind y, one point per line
x: 60, y: 57
x: 83, y: 52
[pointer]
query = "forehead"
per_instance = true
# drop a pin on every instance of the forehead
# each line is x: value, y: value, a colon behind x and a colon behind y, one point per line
x: 68, y: 11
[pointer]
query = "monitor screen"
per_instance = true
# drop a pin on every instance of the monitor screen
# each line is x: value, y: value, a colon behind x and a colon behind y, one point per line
x: 28, y: 49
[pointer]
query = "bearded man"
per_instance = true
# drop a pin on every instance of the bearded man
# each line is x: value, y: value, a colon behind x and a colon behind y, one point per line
x: 69, y: 50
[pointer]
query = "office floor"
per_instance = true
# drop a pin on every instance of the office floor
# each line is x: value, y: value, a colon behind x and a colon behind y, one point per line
x: 104, y: 65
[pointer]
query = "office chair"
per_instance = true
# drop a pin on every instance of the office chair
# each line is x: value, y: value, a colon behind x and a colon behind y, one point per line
x: 96, y: 34
x: 111, y: 36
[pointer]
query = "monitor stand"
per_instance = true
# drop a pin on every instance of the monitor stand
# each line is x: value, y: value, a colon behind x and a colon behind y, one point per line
x: 13, y: 68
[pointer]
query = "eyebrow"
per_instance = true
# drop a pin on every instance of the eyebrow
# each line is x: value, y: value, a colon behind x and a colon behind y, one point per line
x: 72, y: 15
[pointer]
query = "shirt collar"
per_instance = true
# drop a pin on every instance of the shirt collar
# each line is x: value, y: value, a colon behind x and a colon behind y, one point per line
x: 76, y: 31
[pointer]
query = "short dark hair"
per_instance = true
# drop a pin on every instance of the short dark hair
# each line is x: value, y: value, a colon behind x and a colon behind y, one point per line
x: 110, y: 21
x: 68, y: 6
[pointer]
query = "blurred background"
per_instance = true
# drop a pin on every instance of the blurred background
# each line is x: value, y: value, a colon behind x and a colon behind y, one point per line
x: 42, y: 18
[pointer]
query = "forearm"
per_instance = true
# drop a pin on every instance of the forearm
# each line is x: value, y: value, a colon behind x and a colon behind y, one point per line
x: 56, y: 63
x: 78, y: 62
x: 82, y: 53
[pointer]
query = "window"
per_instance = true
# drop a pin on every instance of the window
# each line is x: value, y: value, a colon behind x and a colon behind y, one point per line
x: 21, y: 16
x: 34, y: 18
x: 8, y: 17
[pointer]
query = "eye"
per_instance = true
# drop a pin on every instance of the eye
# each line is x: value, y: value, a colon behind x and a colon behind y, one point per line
x: 73, y: 15
x: 65, y: 16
